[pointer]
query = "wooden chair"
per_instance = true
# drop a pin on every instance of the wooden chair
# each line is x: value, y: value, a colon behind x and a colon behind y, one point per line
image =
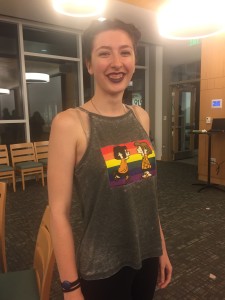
x: 35, y: 283
x: 6, y: 171
x: 3, y: 264
x: 41, y: 152
x: 24, y: 161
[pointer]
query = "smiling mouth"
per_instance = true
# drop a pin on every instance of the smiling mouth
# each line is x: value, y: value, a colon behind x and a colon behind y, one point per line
x: 116, y: 77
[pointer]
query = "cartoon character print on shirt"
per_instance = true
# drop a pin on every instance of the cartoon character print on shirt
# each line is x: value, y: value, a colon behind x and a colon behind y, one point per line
x: 144, y: 149
x: 121, y: 153
x: 125, y: 165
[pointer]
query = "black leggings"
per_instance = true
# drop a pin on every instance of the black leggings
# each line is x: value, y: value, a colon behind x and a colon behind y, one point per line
x: 127, y: 284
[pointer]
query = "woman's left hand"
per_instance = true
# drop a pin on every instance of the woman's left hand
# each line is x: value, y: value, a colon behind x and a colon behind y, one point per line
x: 165, y: 271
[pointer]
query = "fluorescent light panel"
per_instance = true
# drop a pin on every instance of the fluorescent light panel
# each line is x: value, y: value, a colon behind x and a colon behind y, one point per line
x: 4, y: 91
x: 37, y: 77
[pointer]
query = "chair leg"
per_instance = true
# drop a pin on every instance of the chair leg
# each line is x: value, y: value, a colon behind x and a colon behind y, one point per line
x: 23, y: 181
x: 42, y: 177
x: 3, y: 260
x: 14, y: 183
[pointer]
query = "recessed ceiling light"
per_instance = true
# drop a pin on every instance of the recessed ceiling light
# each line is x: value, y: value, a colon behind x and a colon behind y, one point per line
x: 79, y: 8
x: 188, y: 19
x: 101, y: 19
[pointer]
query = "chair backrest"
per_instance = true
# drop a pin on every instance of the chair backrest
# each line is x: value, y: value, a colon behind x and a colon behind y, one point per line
x: 23, y: 152
x: 3, y: 190
x: 44, y: 258
x: 41, y: 150
x: 4, y: 156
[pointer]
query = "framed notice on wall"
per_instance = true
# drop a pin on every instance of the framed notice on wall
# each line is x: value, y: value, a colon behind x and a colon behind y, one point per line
x: 216, y: 103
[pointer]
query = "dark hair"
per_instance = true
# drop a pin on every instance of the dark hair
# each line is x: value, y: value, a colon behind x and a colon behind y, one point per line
x: 119, y: 149
x: 97, y: 26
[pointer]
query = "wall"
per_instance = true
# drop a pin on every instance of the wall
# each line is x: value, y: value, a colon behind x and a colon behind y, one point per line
x: 212, y: 87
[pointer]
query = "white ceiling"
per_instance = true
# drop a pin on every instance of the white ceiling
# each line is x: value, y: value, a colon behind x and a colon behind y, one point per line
x: 178, y: 52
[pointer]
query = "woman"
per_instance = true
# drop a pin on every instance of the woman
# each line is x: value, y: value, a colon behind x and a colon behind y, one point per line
x: 122, y: 247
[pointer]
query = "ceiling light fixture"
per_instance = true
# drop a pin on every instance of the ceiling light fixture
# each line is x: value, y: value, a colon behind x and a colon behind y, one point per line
x: 188, y: 19
x: 4, y: 91
x: 37, y: 78
x: 79, y: 8
x: 101, y: 19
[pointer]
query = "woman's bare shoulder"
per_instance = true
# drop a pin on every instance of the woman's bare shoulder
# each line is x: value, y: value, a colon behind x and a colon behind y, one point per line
x: 66, y: 118
x: 142, y: 113
x: 142, y: 116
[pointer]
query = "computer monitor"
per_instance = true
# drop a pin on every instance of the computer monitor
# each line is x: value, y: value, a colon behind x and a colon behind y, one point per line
x: 218, y: 124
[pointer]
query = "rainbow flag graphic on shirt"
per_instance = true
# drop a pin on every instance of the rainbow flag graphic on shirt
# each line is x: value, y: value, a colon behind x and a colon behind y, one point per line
x: 129, y: 162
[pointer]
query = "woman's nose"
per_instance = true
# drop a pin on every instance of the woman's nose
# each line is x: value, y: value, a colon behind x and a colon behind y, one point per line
x: 116, y: 61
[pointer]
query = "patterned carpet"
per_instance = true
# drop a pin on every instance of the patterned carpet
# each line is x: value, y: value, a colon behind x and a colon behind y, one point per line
x: 193, y: 223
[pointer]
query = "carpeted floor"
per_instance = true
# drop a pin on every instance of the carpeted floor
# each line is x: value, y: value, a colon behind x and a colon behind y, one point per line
x: 193, y: 223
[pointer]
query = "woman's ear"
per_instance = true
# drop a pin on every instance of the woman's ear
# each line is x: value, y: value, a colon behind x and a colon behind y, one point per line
x: 89, y: 67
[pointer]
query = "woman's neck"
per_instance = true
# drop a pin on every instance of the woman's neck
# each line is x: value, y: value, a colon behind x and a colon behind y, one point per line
x: 113, y: 110
x: 108, y: 106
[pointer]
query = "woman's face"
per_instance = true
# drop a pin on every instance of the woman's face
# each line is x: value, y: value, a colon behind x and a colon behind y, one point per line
x: 112, y: 61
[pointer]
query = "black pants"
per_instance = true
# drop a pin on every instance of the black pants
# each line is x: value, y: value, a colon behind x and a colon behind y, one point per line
x: 127, y: 284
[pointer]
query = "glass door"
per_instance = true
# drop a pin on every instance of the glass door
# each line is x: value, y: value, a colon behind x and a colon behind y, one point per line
x: 183, y: 121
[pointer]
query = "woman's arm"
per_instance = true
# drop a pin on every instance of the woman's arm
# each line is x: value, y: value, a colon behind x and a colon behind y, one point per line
x: 61, y: 162
x: 165, y: 267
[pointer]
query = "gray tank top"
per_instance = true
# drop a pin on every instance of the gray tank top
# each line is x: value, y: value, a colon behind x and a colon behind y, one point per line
x: 116, y: 185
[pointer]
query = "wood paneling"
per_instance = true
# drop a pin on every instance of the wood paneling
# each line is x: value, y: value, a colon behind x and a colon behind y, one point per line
x: 212, y: 87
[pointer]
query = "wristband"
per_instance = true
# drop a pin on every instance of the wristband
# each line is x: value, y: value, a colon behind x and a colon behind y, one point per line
x: 68, y: 286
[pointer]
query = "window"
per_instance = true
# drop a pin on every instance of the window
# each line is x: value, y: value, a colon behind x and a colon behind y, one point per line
x: 11, y: 107
x: 50, y: 42
x: 53, y: 53
x: 47, y: 99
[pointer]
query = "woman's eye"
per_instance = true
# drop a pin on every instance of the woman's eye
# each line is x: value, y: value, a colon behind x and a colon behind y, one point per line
x: 126, y: 53
x: 104, y: 54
